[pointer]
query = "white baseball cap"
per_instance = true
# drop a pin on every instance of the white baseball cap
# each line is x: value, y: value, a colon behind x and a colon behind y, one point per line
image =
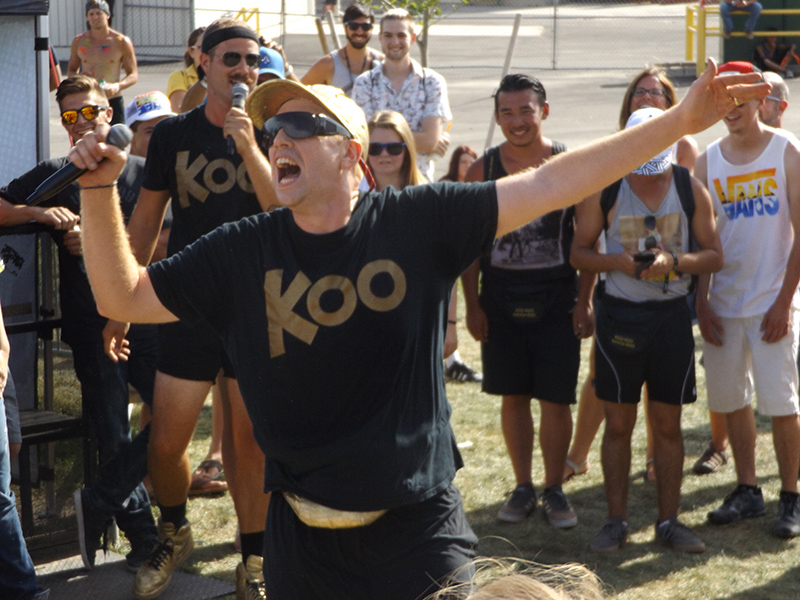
x: 147, y: 106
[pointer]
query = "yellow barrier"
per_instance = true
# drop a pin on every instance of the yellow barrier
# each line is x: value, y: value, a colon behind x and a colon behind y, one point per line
x: 697, y: 31
x: 246, y: 14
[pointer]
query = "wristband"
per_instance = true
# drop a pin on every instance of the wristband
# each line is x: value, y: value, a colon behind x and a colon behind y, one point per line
x: 99, y: 187
x: 450, y: 321
x: 674, y: 261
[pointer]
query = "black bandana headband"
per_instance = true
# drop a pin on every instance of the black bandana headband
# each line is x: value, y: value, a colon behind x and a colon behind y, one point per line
x: 220, y: 35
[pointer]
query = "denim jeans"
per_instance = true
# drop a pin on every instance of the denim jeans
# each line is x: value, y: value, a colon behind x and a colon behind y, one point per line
x: 17, y: 577
x: 119, y: 491
x: 727, y: 21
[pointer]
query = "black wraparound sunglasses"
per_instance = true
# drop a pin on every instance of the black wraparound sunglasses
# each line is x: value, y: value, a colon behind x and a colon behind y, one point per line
x: 356, y: 26
x: 393, y: 148
x: 300, y: 125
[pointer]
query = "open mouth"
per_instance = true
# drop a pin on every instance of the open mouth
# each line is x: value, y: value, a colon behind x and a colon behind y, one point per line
x: 288, y: 170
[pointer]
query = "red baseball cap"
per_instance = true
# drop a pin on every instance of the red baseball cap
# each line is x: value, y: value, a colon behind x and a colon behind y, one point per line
x: 738, y: 66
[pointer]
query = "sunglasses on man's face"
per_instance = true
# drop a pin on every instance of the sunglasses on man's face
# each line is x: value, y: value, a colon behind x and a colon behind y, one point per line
x: 300, y: 125
x: 393, y: 148
x: 232, y: 59
x: 365, y: 27
x: 90, y: 113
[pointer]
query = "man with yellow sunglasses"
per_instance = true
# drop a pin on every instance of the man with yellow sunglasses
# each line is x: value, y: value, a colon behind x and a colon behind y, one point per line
x: 104, y: 380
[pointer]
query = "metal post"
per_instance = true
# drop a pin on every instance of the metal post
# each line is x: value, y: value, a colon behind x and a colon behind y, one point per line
x: 334, y: 35
x: 555, y: 30
x: 426, y: 23
x: 283, y: 23
x: 689, y: 32
x: 506, y: 67
x: 321, y: 33
x: 701, y: 41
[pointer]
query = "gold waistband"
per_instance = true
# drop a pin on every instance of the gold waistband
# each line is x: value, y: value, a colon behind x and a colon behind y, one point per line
x: 317, y: 515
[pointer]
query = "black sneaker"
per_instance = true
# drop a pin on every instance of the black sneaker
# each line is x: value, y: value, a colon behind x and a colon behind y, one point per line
x: 462, y: 373
x: 742, y: 503
x: 678, y: 536
x: 519, y: 505
x: 611, y: 537
x: 557, y: 508
x: 91, y: 529
x: 788, y: 523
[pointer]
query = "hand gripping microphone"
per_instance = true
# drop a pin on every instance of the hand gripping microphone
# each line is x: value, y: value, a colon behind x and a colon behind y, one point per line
x: 240, y: 91
x: 119, y: 136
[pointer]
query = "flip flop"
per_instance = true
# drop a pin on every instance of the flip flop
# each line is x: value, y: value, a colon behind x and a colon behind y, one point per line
x: 211, y: 485
x: 580, y: 468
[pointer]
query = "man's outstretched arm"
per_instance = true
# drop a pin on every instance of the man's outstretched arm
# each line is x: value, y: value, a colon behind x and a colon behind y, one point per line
x: 121, y: 286
x: 574, y: 175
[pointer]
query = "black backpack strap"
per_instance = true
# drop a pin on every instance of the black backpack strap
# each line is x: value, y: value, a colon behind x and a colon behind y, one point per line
x: 558, y: 148
x: 683, y: 185
x: 491, y: 159
x: 607, y: 200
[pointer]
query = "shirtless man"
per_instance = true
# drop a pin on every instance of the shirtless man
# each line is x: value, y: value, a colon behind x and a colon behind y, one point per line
x: 101, y: 53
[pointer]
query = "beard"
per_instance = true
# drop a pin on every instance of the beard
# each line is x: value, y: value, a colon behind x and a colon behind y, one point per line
x: 358, y: 45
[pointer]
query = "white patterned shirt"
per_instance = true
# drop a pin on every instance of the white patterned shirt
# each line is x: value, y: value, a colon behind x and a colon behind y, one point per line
x: 423, y: 94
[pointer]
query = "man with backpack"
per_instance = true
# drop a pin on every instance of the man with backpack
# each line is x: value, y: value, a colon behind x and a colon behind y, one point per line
x: 526, y: 316
x: 653, y: 219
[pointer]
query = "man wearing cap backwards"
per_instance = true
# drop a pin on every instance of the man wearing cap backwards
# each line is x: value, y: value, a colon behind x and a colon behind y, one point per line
x: 142, y: 115
x: 341, y: 67
x: 361, y: 467
x: 659, y: 229
x: 118, y: 493
x: 748, y: 313
x: 101, y: 53
x: 191, y: 162
x: 272, y: 65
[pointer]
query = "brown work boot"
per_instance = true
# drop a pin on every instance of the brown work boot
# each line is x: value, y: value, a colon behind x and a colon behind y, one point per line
x: 154, y: 575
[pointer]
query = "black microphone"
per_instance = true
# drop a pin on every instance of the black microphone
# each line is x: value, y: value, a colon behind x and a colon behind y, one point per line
x: 240, y: 91
x: 119, y: 136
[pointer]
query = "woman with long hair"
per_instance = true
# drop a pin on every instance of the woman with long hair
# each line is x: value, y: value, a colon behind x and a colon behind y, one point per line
x: 181, y: 80
x: 460, y: 160
x: 392, y: 152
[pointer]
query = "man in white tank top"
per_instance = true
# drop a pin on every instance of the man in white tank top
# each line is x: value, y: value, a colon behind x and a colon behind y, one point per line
x: 748, y: 312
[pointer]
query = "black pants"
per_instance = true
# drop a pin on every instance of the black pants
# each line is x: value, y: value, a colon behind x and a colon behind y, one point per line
x: 398, y: 557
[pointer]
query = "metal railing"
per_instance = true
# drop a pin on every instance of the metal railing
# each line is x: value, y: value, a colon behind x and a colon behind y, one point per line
x: 697, y: 30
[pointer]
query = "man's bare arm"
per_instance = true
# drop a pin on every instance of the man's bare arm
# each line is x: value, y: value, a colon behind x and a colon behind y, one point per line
x: 121, y: 286
x: 574, y: 175
x: 320, y: 72
x: 74, y: 65
x: 427, y: 139
x: 145, y: 223
x: 129, y: 64
x: 239, y: 126
x: 57, y: 217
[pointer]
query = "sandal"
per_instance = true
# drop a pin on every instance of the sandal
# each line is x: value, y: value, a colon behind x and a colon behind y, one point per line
x: 650, y: 471
x: 204, y: 484
x: 580, y: 468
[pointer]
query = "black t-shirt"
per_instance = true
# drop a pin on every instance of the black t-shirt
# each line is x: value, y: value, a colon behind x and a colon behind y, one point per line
x: 80, y: 319
x: 533, y: 258
x: 337, y: 338
x: 189, y: 157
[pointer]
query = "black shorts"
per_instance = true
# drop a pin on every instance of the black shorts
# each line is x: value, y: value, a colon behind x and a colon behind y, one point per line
x: 401, y: 556
x: 644, y: 343
x: 192, y: 352
x: 539, y: 359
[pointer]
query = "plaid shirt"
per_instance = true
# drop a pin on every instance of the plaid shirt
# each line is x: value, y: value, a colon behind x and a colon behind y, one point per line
x: 424, y: 94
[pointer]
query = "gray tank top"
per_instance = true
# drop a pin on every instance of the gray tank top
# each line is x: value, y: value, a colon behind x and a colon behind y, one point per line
x: 629, y: 229
x: 342, y: 77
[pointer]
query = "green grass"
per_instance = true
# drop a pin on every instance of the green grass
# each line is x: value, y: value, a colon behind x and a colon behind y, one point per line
x: 743, y: 561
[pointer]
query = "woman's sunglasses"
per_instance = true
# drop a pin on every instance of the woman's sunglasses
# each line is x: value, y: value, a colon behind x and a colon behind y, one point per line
x: 90, y: 113
x: 298, y: 126
x: 232, y: 59
x: 365, y: 27
x: 393, y: 148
